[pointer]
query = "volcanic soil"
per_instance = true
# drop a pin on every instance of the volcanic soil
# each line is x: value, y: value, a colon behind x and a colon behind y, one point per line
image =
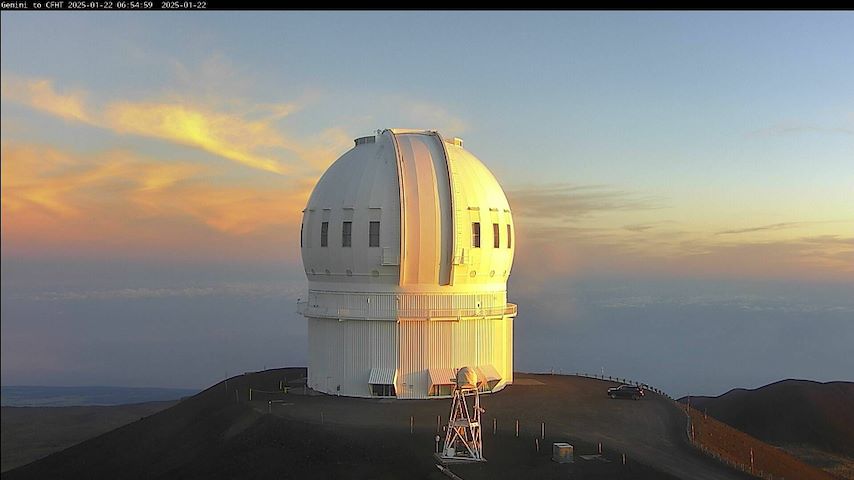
x: 221, y: 433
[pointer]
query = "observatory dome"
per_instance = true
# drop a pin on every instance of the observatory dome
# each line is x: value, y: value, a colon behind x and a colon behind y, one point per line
x: 407, y: 242
x: 400, y: 184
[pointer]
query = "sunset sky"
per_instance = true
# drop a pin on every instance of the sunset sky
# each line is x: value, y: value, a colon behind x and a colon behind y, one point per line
x: 693, y: 169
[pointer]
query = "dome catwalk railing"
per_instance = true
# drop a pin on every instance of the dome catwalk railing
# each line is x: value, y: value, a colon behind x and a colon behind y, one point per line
x: 446, y: 314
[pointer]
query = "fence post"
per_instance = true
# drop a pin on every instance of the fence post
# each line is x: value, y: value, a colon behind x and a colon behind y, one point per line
x: 517, y: 428
x: 751, y: 459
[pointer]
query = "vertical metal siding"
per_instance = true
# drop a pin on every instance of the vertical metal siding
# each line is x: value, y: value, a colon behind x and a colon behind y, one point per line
x: 470, y: 341
x: 343, y: 353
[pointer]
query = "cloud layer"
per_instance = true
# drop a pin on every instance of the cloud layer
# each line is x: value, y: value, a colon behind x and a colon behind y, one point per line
x: 121, y: 202
x: 58, y: 199
x: 574, y: 229
x: 228, y: 129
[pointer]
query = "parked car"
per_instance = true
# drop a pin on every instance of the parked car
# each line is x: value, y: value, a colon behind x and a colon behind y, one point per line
x: 626, y: 391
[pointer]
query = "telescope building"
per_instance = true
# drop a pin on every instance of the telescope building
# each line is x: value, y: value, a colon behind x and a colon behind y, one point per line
x: 407, y: 242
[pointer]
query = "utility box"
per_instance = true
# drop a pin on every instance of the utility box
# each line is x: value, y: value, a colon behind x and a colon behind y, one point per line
x: 562, y: 453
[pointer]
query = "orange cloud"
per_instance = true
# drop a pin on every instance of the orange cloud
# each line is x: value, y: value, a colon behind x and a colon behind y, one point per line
x: 56, y: 200
x: 567, y: 230
x: 225, y: 135
x: 40, y: 94
x: 245, y: 135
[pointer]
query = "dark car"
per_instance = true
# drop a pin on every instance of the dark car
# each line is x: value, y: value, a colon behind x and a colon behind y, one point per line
x: 626, y: 391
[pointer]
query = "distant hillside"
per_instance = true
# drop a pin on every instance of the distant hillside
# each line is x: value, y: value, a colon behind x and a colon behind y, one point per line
x: 810, y: 419
x: 736, y: 447
x: 789, y: 412
x: 40, y: 396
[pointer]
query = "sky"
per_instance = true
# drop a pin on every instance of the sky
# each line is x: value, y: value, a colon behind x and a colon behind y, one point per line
x: 682, y: 183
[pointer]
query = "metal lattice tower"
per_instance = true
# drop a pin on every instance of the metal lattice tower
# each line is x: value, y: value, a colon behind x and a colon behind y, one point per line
x: 463, y: 436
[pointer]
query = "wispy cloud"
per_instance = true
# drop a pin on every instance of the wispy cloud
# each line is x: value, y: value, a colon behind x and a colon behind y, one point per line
x: 53, y: 182
x: 293, y: 291
x: 39, y: 93
x: 568, y: 202
x: 643, y: 227
x: 227, y: 135
x: 584, y: 238
x: 752, y: 303
x: 813, y: 257
x: 228, y: 128
x: 773, y: 226
x: 53, y: 195
x: 61, y: 199
x: 565, y: 229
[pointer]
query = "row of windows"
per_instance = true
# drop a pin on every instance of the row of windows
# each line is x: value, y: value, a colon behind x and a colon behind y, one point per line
x: 374, y: 235
x: 346, y: 234
x: 496, y: 238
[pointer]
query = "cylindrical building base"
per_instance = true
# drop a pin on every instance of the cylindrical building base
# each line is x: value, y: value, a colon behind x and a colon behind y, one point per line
x: 407, y: 358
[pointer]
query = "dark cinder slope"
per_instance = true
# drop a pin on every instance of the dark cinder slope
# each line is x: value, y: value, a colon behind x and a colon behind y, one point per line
x: 790, y: 412
x: 220, y: 433
x: 30, y: 433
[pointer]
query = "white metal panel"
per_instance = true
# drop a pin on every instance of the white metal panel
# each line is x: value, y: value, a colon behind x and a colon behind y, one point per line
x: 342, y: 354
x: 477, y: 193
x: 375, y: 305
x: 426, y: 345
x: 382, y: 376
x: 488, y: 372
x: 442, y: 376
x: 359, y: 187
x: 427, y: 223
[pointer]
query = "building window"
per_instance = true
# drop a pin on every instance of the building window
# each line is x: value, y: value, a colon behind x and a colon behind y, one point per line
x: 509, y: 236
x: 382, y: 390
x: 374, y: 235
x: 475, y: 234
x: 324, y: 234
x: 496, y: 240
x: 441, y: 390
x: 347, y: 234
x: 301, y: 225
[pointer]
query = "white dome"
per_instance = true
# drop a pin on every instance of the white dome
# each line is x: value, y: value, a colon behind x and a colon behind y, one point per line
x: 467, y: 378
x: 430, y: 244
